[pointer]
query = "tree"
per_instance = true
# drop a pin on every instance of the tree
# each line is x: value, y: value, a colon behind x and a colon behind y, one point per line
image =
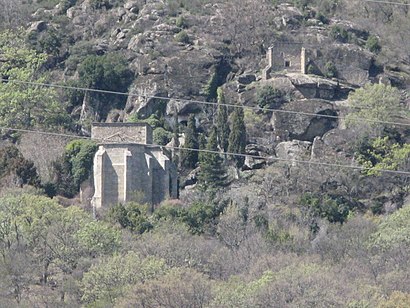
x: 73, y: 167
x: 373, y: 103
x: 110, y: 73
x: 24, y: 104
x: 12, y: 163
x: 237, y: 137
x: 222, y: 122
x: 110, y: 278
x: 384, y: 153
x: 212, y: 173
x: 189, y: 158
x: 48, y: 241
x: 180, y: 287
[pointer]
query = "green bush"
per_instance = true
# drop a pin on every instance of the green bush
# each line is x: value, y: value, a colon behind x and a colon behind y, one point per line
x: 132, y: 216
x: 108, y: 72
x: 330, y: 70
x: 73, y: 167
x: 182, y: 37
x: 181, y: 22
x: 340, y: 34
x: 268, y: 97
x: 161, y: 136
x: 372, y: 44
x: 12, y: 162
x: 322, y: 18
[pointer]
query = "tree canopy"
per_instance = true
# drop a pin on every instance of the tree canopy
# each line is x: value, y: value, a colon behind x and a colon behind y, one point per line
x: 23, y: 102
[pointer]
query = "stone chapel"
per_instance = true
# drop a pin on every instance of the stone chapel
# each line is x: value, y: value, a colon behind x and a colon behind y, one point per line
x: 126, y: 165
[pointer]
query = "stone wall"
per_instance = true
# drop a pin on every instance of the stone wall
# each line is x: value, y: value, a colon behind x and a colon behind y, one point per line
x: 125, y: 170
x: 285, y: 57
x: 121, y: 133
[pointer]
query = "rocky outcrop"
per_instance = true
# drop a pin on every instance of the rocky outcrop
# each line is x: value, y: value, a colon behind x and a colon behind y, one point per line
x: 311, y: 86
x: 293, y: 150
x: 352, y: 63
x: 303, y: 119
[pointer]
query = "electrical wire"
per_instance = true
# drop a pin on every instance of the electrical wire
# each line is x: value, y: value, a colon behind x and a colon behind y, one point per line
x: 269, y: 158
x: 387, y: 2
x: 215, y: 104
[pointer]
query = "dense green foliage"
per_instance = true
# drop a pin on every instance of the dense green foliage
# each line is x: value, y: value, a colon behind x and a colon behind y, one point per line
x: 72, y: 168
x: 110, y: 73
x: 371, y: 104
x: 237, y: 136
x: 22, y: 104
x: 189, y: 158
x: 373, y: 44
x: 222, y: 122
x: 215, y: 255
x: 213, y: 173
x: 14, y: 165
x: 268, y: 97
x: 384, y: 153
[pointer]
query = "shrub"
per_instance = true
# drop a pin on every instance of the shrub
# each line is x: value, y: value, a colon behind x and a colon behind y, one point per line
x: 13, y: 162
x: 73, y: 167
x: 181, y: 22
x: 161, y: 136
x: 372, y: 44
x: 268, y: 97
x: 330, y: 70
x: 322, y: 18
x: 339, y: 34
x: 182, y: 37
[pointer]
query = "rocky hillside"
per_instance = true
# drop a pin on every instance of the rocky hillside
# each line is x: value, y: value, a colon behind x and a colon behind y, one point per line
x: 173, y: 55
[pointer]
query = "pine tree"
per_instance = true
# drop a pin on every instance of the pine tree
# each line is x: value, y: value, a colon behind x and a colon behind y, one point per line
x: 237, y: 137
x: 213, y: 173
x: 189, y: 158
x: 222, y: 122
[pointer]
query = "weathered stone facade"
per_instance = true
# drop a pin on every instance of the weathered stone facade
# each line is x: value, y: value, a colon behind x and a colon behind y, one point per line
x: 287, y: 57
x: 125, y: 166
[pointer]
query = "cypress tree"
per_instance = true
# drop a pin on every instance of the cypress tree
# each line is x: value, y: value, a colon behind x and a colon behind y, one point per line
x: 190, y: 158
x: 222, y: 122
x: 202, y: 146
x: 213, y: 173
x: 175, y: 136
x: 237, y: 137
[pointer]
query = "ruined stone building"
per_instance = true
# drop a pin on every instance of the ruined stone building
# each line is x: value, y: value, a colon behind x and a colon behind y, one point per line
x: 126, y: 166
x: 286, y: 57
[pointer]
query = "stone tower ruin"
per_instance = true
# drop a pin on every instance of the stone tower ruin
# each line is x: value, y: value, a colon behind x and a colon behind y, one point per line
x: 286, y: 57
x: 126, y: 165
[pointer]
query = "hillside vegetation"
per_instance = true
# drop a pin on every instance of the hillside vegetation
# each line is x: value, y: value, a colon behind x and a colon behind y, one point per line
x: 314, y: 211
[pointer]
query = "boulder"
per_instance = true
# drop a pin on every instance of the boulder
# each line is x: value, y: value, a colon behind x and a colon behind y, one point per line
x: 293, y: 150
x: 38, y: 26
x: 288, y: 125
x: 253, y: 163
x: 311, y: 86
x: 246, y: 79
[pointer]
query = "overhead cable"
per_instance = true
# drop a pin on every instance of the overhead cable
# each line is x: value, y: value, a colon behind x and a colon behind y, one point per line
x: 215, y: 104
x: 269, y: 158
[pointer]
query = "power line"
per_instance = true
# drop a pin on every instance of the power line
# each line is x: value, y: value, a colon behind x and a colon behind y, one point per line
x: 215, y: 104
x: 387, y: 2
x: 270, y: 158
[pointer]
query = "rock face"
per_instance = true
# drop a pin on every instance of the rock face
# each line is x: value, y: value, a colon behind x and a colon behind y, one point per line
x: 311, y: 86
x: 289, y: 125
x: 293, y: 150
x: 352, y: 63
